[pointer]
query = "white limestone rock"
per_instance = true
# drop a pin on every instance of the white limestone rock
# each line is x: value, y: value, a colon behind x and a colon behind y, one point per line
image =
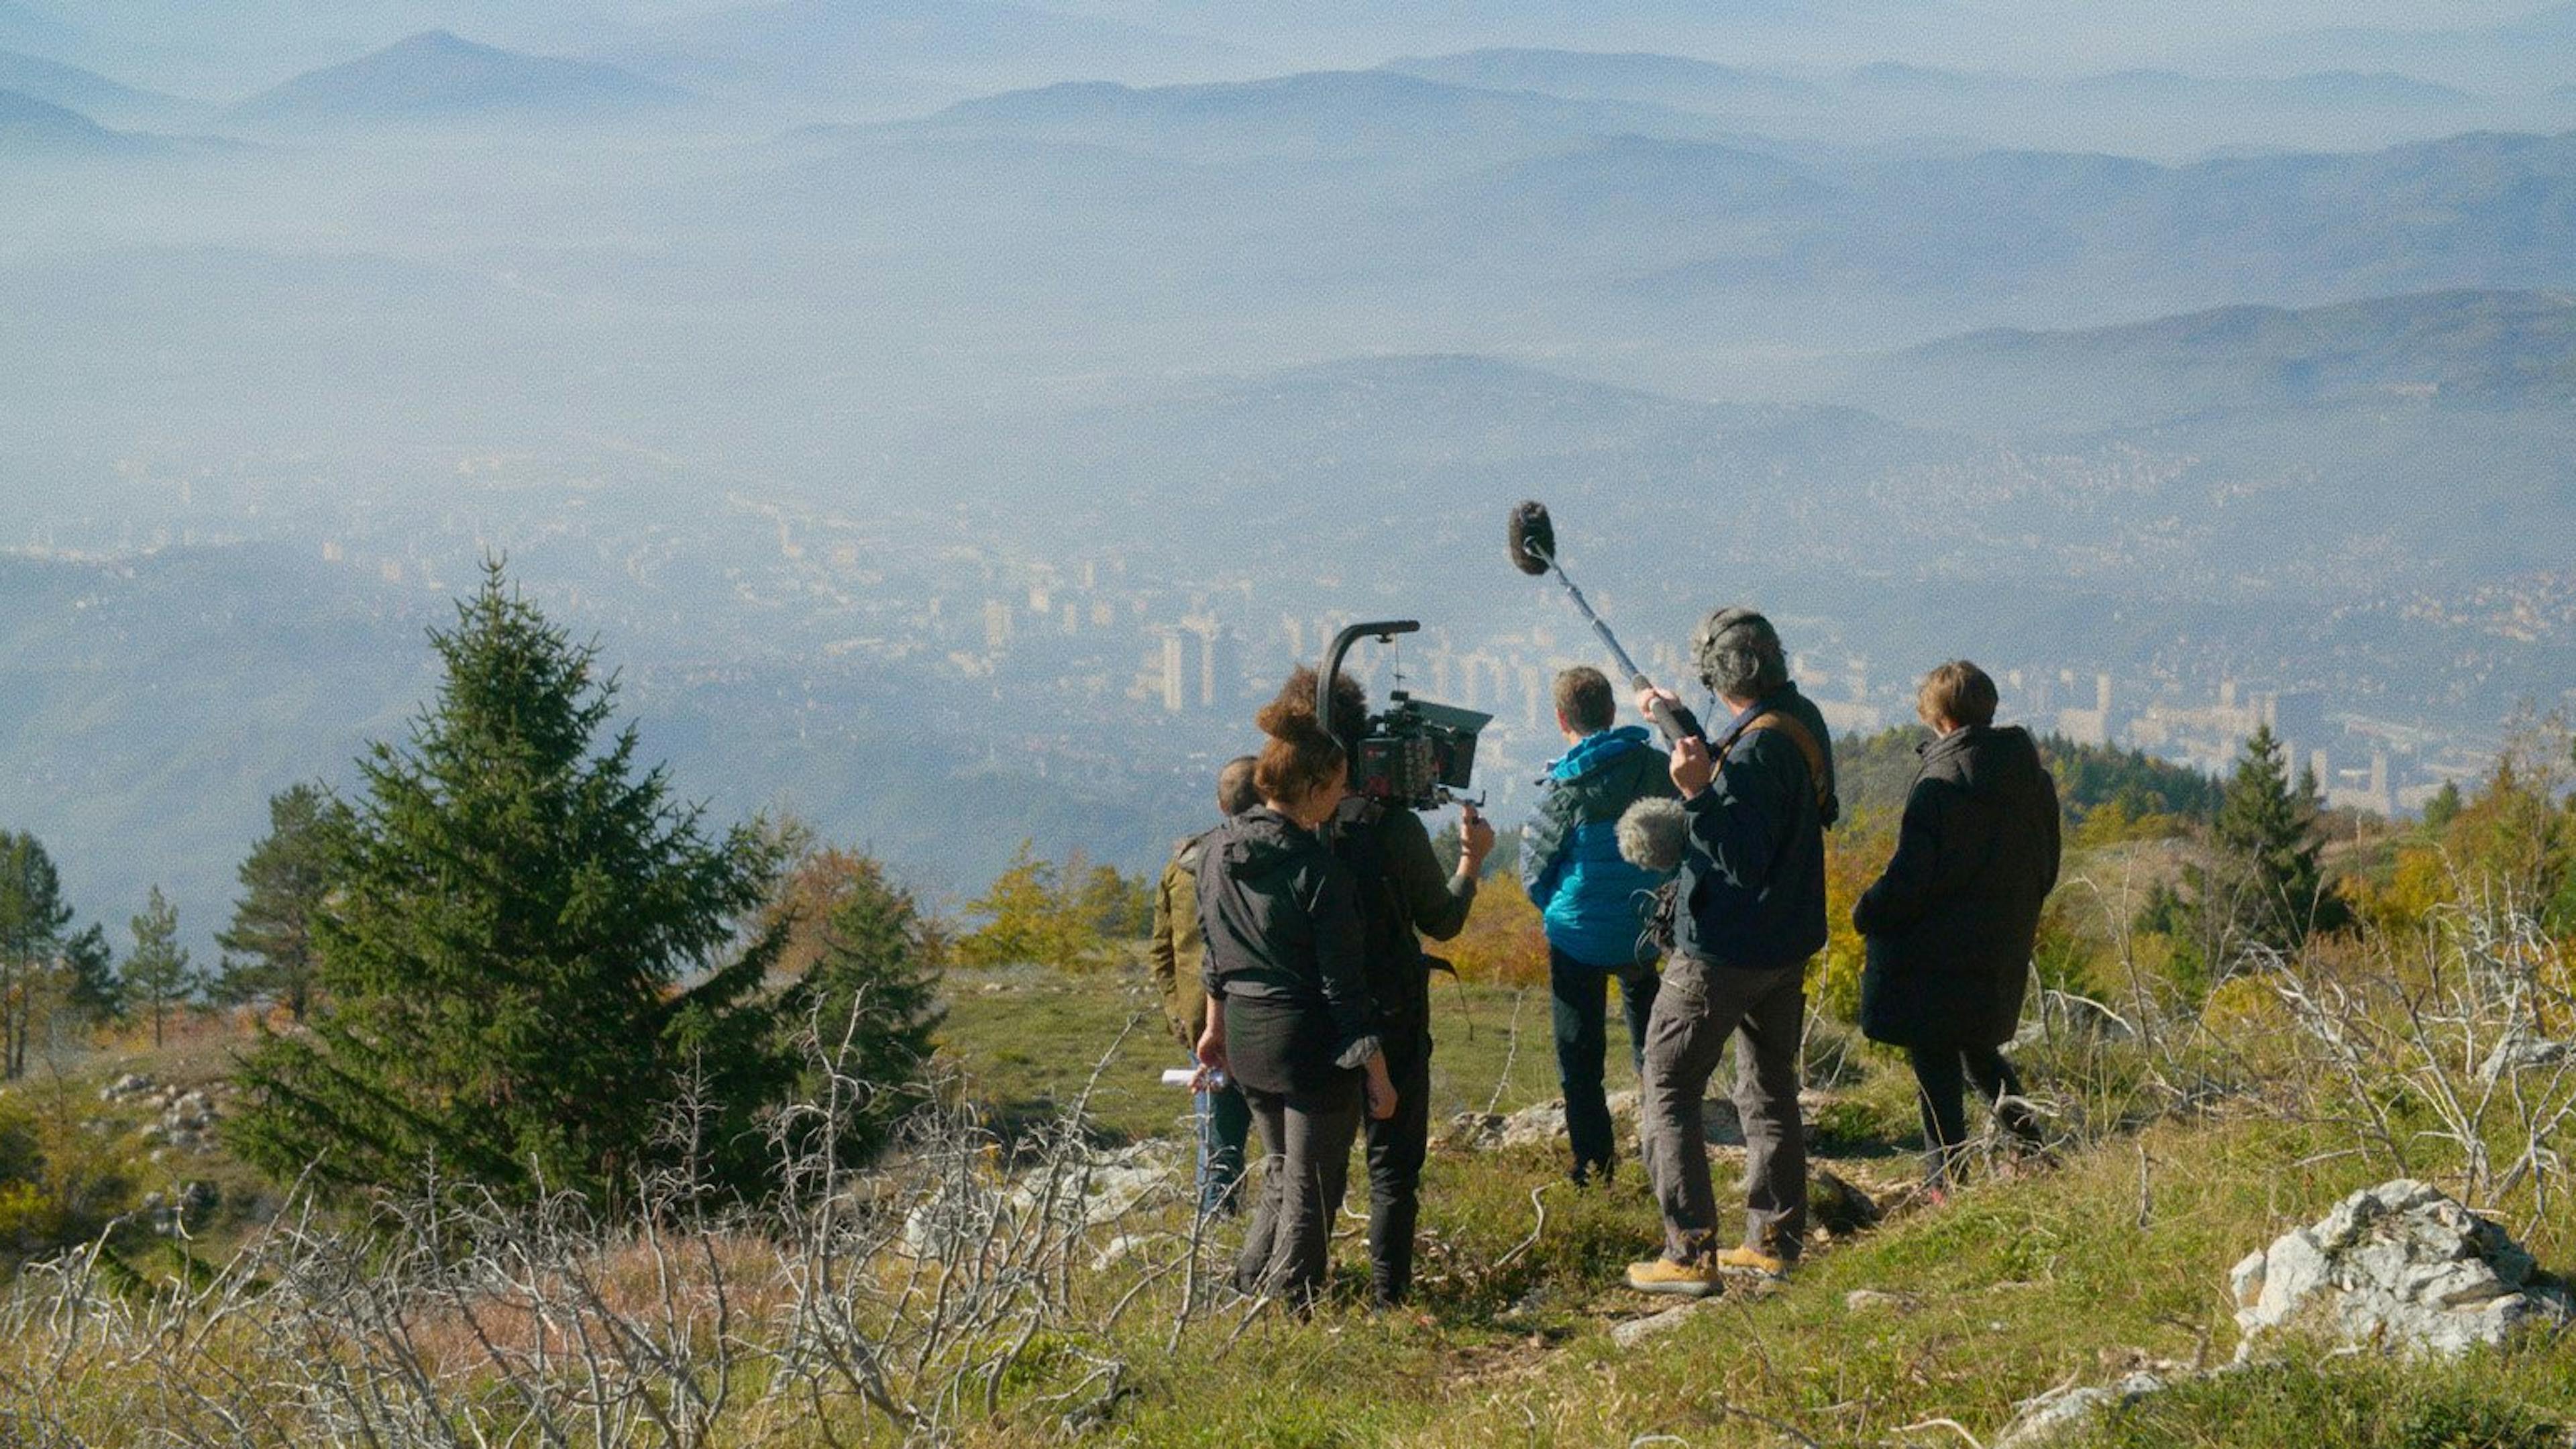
x: 2401, y: 1266
x: 961, y: 1217
x: 1637, y: 1330
x: 2062, y: 1412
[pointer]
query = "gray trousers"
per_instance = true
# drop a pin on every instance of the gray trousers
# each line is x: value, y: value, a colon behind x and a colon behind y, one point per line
x: 1307, y: 1145
x: 1697, y: 1009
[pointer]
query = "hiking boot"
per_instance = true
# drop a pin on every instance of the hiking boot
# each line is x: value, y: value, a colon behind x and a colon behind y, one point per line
x: 1686, y: 1280
x: 1750, y: 1263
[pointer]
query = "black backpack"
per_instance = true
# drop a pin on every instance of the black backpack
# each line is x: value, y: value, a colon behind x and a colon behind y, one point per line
x: 1398, y: 972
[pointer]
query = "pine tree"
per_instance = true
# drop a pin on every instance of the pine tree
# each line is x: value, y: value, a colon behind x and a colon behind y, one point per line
x: 526, y: 958
x: 2443, y: 808
x: 869, y: 988
x: 95, y: 988
x: 2268, y: 886
x: 156, y: 978
x: 33, y: 922
x: 268, y: 951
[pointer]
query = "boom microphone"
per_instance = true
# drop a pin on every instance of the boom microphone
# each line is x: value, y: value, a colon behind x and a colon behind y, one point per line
x: 1533, y: 539
x: 1533, y: 543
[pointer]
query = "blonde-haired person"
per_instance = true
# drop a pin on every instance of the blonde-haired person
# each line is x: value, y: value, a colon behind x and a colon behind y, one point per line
x: 1950, y: 924
x: 1287, y: 993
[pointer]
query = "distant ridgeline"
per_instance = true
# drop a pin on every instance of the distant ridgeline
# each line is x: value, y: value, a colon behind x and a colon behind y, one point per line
x: 1876, y: 771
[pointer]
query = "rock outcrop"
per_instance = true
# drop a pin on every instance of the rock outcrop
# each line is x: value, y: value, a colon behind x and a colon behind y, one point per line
x: 2400, y: 1266
x: 1094, y: 1194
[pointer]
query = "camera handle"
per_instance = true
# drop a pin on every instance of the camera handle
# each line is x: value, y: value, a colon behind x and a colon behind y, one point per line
x: 1385, y: 631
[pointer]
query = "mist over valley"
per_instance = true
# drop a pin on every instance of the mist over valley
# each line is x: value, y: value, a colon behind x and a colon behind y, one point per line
x: 948, y: 418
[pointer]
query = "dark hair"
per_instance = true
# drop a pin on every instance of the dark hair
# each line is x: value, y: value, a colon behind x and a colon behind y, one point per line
x: 1350, y: 705
x: 1959, y: 692
x: 1739, y: 654
x: 1583, y: 700
x: 1299, y: 758
x: 1235, y: 792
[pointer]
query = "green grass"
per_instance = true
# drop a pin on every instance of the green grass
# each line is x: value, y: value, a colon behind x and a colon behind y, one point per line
x: 2115, y: 1261
x: 2517, y: 1401
x: 2076, y: 1276
x: 1028, y: 1039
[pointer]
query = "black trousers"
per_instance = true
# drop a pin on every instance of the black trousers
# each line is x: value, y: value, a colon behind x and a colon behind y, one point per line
x: 1306, y: 1147
x: 1396, y: 1148
x: 1579, y: 993
x: 1941, y: 1075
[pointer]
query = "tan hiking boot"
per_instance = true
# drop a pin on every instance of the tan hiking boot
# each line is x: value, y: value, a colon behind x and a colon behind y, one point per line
x: 1663, y: 1275
x: 1750, y: 1262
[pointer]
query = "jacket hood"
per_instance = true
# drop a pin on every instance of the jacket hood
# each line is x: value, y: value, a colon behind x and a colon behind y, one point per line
x: 1596, y: 750
x: 1984, y: 754
x: 1260, y: 841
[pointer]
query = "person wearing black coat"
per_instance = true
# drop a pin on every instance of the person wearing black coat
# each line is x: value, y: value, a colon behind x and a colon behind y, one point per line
x: 1288, y: 1017
x: 1950, y: 924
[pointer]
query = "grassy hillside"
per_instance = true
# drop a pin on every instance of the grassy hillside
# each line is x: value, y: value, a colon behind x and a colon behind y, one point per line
x: 1025, y: 1269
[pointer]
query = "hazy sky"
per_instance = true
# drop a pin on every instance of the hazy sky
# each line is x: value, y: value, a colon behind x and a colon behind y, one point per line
x: 221, y: 49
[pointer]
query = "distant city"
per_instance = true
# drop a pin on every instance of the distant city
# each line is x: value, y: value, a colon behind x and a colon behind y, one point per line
x: 1112, y: 649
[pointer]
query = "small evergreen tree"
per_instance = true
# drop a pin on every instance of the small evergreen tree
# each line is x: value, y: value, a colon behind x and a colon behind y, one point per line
x: 95, y: 988
x: 268, y: 950
x: 869, y: 987
x: 2443, y: 808
x: 34, y: 920
x: 156, y: 979
x: 529, y: 955
x: 2267, y: 886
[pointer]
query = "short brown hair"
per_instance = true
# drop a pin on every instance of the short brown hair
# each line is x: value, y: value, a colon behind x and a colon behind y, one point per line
x: 1959, y: 692
x: 1583, y: 700
x: 1235, y: 792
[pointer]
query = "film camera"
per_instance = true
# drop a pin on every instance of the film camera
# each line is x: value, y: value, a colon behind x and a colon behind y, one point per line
x: 1414, y: 753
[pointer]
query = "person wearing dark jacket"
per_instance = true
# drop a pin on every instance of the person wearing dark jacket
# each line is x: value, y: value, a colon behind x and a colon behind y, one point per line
x: 1595, y: 907
x: 1404, y: 894
x: 1288, y: 1008
x: 1751, y: 910
x: 1179, y: 961
x: 1950, y: 924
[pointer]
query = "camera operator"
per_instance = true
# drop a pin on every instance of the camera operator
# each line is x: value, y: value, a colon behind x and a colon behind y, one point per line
x: 1403, y: 895
x: 1288, y: 1010
x: 1179, y: 961
x: 1751, y: 912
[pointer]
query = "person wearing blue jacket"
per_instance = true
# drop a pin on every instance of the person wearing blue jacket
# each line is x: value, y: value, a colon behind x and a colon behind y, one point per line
x: 1595, y: 905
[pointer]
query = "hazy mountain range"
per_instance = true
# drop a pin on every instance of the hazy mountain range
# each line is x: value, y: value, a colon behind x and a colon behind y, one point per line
x: 437, y: 76
x: 33, y: 127
x: 92, y: 94
x: 748, y: 330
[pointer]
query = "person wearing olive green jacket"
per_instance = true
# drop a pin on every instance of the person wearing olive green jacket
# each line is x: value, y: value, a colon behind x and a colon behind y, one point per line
x: 1225, y: 1120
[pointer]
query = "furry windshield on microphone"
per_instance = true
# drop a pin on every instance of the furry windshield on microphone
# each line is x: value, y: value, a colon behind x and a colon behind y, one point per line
x: 1653, y: 833
x: 1533, y: 538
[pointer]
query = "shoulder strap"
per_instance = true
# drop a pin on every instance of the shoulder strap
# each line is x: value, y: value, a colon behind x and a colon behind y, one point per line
x: 1788, y: 724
